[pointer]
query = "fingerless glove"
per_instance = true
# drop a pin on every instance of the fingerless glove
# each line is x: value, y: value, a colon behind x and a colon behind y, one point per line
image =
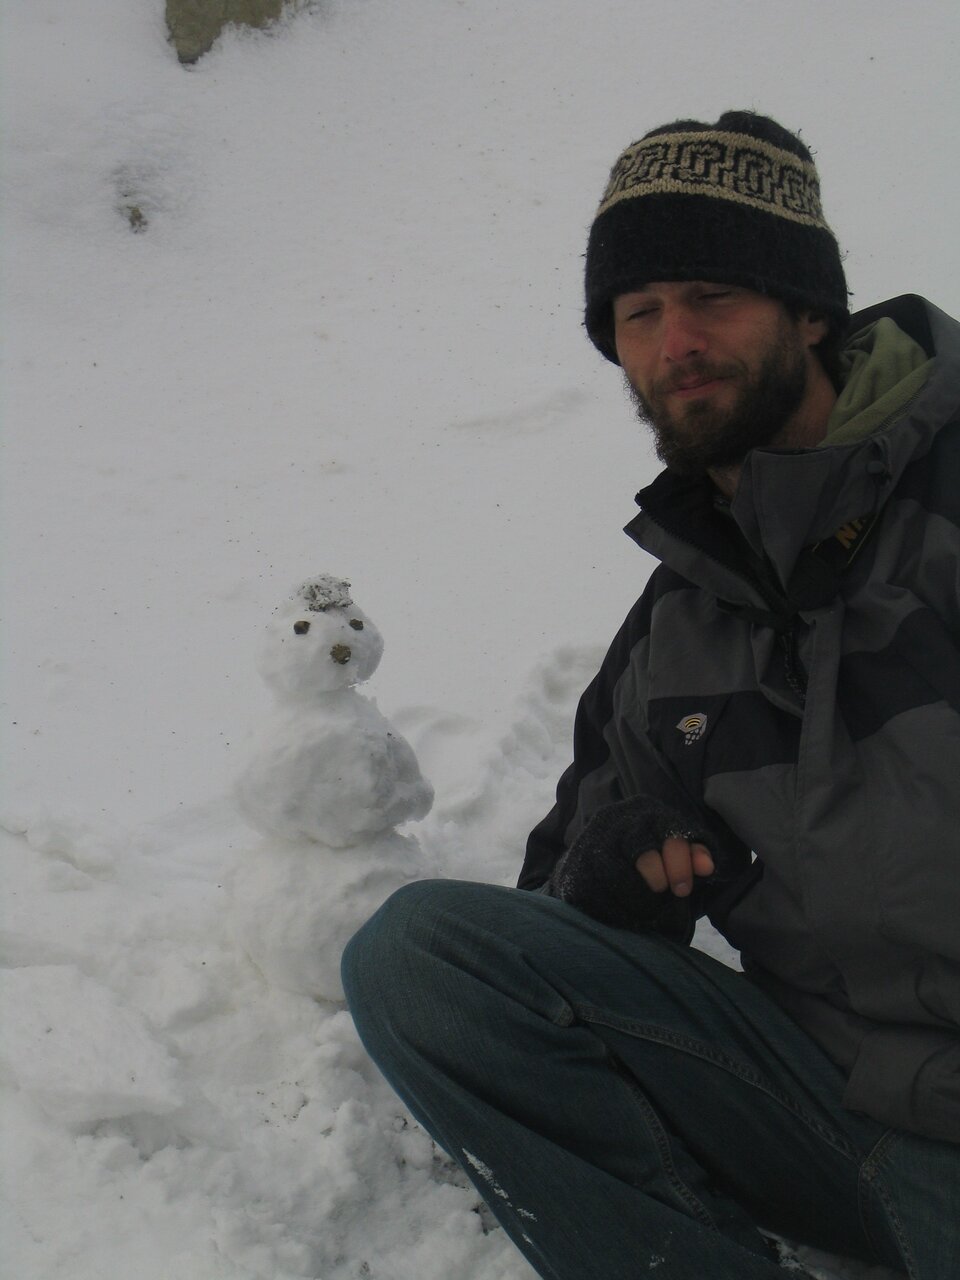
x: 598, y: 873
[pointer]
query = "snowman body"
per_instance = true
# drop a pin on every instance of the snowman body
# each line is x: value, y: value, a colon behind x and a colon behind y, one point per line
x: 329, y: 781
x: 334, y: 773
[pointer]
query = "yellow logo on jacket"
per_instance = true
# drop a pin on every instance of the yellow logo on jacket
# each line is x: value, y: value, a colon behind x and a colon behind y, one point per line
x: 693, y: 727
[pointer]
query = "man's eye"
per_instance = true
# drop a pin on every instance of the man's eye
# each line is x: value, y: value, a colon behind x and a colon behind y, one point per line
x: 641, y: 313
x: 717, y: 294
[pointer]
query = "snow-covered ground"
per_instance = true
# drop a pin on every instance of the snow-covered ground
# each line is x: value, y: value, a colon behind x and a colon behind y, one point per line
x: 313, y: 305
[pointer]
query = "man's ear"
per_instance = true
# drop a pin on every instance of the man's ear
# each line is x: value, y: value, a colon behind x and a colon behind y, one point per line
x: 815, y: 327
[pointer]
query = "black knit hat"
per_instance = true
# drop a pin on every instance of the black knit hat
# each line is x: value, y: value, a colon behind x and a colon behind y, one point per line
x: 736, y: 202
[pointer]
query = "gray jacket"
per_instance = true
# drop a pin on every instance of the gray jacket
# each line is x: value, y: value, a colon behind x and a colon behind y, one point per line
x: 792, y: 673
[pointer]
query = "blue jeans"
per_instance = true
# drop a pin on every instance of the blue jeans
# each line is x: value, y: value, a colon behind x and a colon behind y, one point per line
x: 626, y: 1106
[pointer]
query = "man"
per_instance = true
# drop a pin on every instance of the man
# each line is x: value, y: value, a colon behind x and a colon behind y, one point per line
x: 773, y: 740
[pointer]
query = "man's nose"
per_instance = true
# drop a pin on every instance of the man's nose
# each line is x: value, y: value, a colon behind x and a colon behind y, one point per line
x: 681, y: 337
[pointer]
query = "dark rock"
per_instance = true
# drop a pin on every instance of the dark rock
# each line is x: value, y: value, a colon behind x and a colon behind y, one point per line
x: 195, y: 24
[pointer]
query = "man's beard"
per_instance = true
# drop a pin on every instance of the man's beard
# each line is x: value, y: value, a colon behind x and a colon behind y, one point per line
x: 698, y: 436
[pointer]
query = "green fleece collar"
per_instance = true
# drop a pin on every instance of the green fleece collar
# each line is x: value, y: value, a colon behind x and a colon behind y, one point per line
x: 883, y: 368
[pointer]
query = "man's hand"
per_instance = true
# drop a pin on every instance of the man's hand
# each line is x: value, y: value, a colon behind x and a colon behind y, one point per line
x: 674, y: 866
x: 622, y: 866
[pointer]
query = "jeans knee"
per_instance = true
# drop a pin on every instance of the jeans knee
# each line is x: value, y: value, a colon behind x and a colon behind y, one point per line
x: 394, y: 948
x: 394, y: 971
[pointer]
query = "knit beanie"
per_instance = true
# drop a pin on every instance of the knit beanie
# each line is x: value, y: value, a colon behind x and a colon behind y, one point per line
x: 736, y: 202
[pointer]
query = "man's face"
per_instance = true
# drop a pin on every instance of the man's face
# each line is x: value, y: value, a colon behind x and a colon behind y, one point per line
x: 715, y: 370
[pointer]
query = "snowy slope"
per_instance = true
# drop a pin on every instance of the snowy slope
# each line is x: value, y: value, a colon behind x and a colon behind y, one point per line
x: 344, y: 337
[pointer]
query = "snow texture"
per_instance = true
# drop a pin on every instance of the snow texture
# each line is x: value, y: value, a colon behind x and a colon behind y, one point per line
x: 316, y: 300
x: 53, y: 1018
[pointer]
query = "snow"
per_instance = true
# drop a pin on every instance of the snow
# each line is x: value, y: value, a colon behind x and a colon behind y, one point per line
x: 78, y: 1051
x: 314, y: 304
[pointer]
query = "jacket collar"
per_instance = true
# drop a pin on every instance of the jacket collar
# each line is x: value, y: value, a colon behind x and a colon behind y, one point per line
x: 787, y: 500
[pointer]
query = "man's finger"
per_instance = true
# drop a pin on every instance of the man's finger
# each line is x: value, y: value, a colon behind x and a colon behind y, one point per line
x: 677, y: 855
x: 675, y: 865
x: 703, y: 863
x: 650, y: 866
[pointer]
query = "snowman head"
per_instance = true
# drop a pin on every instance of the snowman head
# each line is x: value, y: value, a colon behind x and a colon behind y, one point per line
x: 318, y: 641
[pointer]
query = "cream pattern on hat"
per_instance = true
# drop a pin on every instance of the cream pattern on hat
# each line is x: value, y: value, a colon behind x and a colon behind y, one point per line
x: 729, y: 166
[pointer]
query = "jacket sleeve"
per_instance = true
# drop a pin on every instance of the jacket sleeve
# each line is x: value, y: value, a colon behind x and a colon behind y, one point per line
x: 614, y: 760
x: 550, y: 838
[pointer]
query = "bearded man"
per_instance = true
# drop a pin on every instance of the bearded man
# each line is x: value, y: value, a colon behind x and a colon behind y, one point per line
x: 773, y: 741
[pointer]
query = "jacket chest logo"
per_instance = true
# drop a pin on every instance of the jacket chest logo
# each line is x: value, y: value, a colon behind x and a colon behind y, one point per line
x: 693, y: 727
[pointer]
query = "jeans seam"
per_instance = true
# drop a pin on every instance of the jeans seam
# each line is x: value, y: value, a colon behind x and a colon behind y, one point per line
x: 871, y: 1180
x: 662, y: 1144
x: 697, y: 1048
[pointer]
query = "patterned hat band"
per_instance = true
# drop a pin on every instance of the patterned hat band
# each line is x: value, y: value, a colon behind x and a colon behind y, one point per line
x: 729, y: 166
x: 737, y: 202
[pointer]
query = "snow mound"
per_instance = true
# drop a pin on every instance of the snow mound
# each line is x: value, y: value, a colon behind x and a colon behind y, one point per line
x: 296, y: 909
x: 79, y: 1051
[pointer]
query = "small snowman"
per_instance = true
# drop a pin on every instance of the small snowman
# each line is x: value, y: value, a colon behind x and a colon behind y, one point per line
x: 328, y: 783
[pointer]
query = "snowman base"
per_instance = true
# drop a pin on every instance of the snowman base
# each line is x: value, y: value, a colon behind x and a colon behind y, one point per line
x: 297, y: 904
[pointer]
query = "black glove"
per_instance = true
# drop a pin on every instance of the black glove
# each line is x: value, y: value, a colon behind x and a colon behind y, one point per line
x: 598, y: 873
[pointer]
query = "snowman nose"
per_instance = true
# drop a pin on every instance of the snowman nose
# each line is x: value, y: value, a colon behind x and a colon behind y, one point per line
x: 301, y: 628
x: 340, y: 653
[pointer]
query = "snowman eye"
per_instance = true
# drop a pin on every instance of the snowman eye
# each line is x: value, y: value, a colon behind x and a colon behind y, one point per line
x: 301, y: 628
x: 356, y: 624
